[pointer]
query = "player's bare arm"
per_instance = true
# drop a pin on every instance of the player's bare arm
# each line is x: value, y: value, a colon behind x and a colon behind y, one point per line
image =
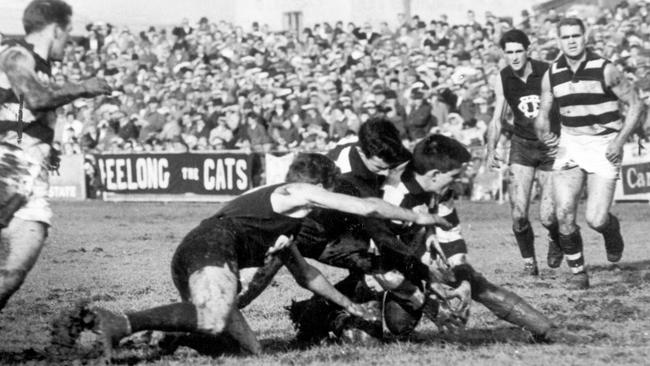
x: 494, y: 130
x: 308, y: 195
x: 626, y: 92
x: 18, y: 65
x: 312, y: 279
x: 543, y: 122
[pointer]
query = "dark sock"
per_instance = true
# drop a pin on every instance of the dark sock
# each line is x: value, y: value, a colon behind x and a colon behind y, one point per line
x: 525, y: 240
x: 179, y: 317
x: 612, y: 235
x: 572, y: 247
x: 554, y: 233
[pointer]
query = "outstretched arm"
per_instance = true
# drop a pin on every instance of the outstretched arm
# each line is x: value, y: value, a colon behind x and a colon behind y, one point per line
x: 18, y: 66
x: 312, y: 279
x: 626, y: 92
x: 313, y: 196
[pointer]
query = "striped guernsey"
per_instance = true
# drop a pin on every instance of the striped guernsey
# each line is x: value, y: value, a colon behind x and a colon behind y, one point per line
x: 587, y: 105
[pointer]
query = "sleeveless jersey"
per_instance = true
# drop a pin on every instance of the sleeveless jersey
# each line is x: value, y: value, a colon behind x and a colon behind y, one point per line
x: 523, y: 97
x: 255, y: 224
x: 37, y: 123
x: 587, y: 105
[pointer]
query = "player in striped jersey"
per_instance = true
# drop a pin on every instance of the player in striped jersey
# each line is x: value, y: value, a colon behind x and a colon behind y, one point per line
x: 425, y: 185
x: 28, y: 103
x: 587, y: 89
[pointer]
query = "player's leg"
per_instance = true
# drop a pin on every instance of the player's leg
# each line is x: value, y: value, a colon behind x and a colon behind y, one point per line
x: 548, y: 219
x: 24, y: 211
x: 509, y: 306
x: 521, y: 183
x: 567, y: 189
x: 599, y: 200
x: 20, y: 244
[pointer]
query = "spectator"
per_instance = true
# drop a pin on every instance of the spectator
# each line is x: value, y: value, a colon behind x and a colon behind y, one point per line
x: 420, y: 120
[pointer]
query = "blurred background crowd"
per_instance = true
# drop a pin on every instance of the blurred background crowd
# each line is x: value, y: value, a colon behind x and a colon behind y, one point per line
x: 211, y: 85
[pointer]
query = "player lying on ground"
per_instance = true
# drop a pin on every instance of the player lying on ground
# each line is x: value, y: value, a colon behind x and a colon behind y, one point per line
x: 28, y: 103
x: 424, y: 185
x: 206, y: 264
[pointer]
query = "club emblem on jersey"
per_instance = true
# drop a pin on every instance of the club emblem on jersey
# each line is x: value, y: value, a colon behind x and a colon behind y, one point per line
x: 529, y: 105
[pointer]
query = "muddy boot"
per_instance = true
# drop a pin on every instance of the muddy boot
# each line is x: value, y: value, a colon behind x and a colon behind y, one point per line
x: 111, y: 328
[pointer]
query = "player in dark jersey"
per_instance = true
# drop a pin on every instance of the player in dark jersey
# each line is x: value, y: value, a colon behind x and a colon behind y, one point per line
x: 28, y: 103
x: 205, y: 267
x: 519, y: 85
x: 365, y: 246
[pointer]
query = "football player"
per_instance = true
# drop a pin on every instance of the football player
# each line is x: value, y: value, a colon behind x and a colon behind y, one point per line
x: 588, y: 89
x: 519, y: 85
x: 28, y: 103
x: 205, y: 266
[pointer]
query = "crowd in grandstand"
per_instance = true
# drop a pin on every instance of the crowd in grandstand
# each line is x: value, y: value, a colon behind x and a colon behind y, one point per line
x: 214, y: 85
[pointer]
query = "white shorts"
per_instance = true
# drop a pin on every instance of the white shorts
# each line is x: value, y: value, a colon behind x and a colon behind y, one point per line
x: 588, y: 153
x: 25, y: 172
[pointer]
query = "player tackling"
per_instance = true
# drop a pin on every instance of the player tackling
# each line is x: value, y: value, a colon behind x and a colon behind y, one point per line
x: 205, y: 266
x: 28, y: 103
x: 587, y: 89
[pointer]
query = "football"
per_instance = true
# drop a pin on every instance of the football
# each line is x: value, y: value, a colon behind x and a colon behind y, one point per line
x: 399, y: 316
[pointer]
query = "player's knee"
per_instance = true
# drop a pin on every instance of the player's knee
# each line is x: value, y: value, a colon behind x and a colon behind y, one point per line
x: 213, y: 291
x: 548, y: 221
x: 597, y: 223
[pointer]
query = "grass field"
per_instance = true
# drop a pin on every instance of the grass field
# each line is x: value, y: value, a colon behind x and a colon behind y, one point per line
x: 119, y: 255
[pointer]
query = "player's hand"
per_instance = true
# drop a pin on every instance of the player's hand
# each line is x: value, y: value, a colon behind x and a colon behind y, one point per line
x: 95, y: 86
x: 281, y: 243
x: 433, y: 219
x: 454, y: 304
x: 368, y: 311
x: 552, y: 142
x: 614, y: 153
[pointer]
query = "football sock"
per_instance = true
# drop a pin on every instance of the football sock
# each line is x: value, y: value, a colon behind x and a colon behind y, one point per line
x: 179, y: 317
x: 554, y: 233
x: 612, y: 235
x: 572, y: 247
x: 525, y: 240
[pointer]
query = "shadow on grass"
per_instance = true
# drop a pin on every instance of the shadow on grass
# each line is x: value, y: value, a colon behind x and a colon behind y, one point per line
x: 475, y: 337
x: 621, y: 266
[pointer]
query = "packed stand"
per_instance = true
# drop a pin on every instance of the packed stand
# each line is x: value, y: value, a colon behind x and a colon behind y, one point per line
x: 216, y: 86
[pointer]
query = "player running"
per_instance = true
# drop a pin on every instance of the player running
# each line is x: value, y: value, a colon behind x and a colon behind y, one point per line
x: 519, y: 85
x: 28, y: 103
x: 587, y: 89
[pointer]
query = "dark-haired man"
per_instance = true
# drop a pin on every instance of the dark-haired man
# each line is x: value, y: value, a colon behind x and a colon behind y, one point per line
x: 205, y: 266
x: 587, y: 89
x: 438, y: 161
x: 28, y: 103
x: 365, y: 246
x: 519, y: 85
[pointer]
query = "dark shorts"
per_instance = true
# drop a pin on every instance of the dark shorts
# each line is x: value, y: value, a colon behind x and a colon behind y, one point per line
x: 204, y: 246
x: 532, y: 153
